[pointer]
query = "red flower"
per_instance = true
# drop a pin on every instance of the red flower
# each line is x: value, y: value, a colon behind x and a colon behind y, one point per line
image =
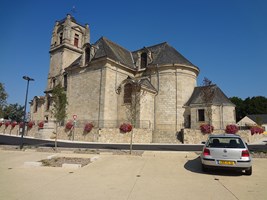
x: 13, y: 124
x: 30, y: 124
x: 69, y: 125
x: 232, y: 129
x: 126, y: 127
x: 256, y: 129
x: 21, y: 124
x: 7, y: 124
x: 88, y: 127
x: 41, y: 124
x: 206, y: 128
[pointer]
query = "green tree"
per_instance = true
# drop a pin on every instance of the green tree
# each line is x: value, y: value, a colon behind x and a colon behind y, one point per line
x: 249, y: 106
x: 60, y: 103
x: 14, y: 112
x: 256, y: 105
x: 240, y: 107
x: 3, y: 97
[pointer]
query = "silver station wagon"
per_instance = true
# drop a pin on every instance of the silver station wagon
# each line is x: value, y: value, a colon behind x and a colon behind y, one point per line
x: 226, y: 151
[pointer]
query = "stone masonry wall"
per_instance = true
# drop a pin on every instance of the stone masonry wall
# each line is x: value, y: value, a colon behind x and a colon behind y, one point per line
x: 192, y: 136
x: 113, y: 135
x: 106, y: 135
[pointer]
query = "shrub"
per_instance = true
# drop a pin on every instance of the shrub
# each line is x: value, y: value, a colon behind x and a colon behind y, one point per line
x: 30, y: 124
x: 69, y: 125
x: 206, y: 128
x: 41, y: 124
x: 125, y: 127
x: 88, y: 127
x: 231, y: 128
x: 256, y: 129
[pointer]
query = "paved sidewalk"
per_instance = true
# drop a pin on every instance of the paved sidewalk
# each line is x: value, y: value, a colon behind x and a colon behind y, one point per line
x: 154, y: 175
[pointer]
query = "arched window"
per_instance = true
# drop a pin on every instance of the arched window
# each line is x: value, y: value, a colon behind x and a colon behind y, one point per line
x: 143, y: 60
x: 48, y: 102
x: 36, y: 105
x: 65, y: 81
x: 53, y: 82
x: 60, y: 38
x: 87, y: 55
x: 76, y: 40
x: 127, y: 98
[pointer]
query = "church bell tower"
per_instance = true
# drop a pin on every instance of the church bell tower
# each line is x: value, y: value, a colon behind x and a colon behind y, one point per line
x: 68, y: 39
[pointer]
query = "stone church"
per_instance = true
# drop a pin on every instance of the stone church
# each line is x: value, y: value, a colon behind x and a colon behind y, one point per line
x: 153, y: 87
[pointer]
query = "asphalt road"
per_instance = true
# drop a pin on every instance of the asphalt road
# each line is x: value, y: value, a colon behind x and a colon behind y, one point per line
x: 14, y: 140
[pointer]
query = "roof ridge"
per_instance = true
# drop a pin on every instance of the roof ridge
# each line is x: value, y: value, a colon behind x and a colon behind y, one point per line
x: 110, y: 41
x: 153, y: 46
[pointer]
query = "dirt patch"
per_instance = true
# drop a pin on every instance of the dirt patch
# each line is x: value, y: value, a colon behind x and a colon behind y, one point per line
x: 58, y: 161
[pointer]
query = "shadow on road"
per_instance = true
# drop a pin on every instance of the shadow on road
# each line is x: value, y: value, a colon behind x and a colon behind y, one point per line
x: 195, y: 166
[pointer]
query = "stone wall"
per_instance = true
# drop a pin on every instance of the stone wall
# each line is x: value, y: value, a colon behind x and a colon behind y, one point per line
x: 16, y: 130
x: 192, y: 136
x: 106, y: 135
x: 113, y: 135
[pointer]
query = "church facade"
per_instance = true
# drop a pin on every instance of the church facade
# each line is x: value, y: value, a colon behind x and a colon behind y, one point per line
x: 153, y: 87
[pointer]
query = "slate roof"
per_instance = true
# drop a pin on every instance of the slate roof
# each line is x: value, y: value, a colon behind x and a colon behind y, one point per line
x: 219, y: 97
x: 107, y: 48
x: 161, y: 54
x: 259, y: 117
x: 165, y: 54
x: 147, y: 84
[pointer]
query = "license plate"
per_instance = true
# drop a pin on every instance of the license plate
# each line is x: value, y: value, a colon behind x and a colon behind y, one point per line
x: 226, y: 162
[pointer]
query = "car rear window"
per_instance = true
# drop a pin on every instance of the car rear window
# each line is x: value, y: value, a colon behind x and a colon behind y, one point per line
x: 225, y: 142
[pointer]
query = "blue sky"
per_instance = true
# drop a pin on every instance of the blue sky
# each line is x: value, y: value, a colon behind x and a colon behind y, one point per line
x: 226, y: 39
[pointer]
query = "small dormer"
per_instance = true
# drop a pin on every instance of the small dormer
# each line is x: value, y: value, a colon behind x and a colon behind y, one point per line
x: 144, y: 58
x: 89, y: 51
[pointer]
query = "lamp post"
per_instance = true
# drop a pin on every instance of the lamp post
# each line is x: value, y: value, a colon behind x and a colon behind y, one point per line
x: 28, y: 79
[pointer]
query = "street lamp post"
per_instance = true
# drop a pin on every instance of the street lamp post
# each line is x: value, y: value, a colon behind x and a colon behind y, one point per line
x: 28, y: 79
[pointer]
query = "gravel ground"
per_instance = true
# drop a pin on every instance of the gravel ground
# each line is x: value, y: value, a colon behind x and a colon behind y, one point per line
x: 58, y: 161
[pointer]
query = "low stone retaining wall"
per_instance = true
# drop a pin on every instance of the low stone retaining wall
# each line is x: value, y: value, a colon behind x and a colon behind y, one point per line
x: 106, y: 135
x: 16, y: 130
x: 113, y: 135
x: 196, y: 137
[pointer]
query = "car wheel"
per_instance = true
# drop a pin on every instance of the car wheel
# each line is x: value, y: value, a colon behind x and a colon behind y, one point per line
x: 204, y: 168
x: 248, y: 171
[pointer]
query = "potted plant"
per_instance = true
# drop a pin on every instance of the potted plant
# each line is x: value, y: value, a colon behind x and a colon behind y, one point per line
x: 30, y: 124
x: 256, y: 129
x: 69, y: 125
x: 13, y: 124
x: 125, y: 127
x: 206, y: 128
x: 21, y: 125
x: 231, y: 129
x: 88, y: 127
x: 41, y: 125
x: 7, y: 123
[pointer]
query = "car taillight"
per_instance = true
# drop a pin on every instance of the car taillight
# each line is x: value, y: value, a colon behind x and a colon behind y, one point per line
x: 206, y: 152
x: 245, y: 153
